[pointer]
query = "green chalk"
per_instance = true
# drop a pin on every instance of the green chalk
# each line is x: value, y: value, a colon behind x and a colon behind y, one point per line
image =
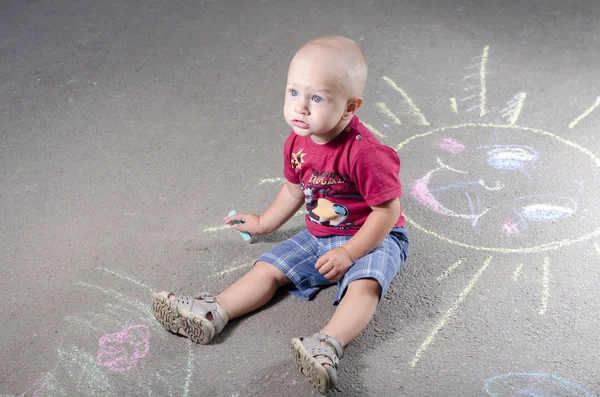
x: 245, y: 235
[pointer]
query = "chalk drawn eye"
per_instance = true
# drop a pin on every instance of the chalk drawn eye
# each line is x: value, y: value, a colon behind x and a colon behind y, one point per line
x: 510, y: 157
x: 547, y: 208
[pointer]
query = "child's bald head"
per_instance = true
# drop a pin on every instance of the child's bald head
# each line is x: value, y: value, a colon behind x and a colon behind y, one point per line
x: 340, y: 58
x: 324, y: 89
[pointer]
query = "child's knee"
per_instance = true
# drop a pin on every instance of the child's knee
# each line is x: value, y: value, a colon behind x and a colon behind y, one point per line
x: 271, y: 272
x: 365, y: 286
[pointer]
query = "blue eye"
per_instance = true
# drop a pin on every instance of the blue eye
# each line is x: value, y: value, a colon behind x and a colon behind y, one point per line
x: 294, y: 93
x: 317, y: 99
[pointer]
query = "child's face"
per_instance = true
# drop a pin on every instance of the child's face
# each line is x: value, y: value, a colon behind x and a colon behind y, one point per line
x: 315, y: 99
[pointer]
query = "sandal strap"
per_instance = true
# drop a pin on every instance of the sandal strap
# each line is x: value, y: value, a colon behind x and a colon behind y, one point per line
x: 201, y: 305
x: 206, y: 297
x: 331, y: 341
x: 324, y: 354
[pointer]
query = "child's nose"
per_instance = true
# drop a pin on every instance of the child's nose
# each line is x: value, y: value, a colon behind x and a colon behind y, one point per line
x: 301, y: 107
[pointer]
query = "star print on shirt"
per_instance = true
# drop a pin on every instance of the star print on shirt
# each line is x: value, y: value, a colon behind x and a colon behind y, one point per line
x: 298, y: 159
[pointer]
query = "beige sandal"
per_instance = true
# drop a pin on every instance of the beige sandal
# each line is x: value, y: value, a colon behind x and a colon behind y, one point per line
x: 198, y: 318
x: 311, y: 356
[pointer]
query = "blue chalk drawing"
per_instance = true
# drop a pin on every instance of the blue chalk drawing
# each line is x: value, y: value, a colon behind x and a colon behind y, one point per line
x: 510, y: 157
x: 546, y: 208
x: 534, y: 385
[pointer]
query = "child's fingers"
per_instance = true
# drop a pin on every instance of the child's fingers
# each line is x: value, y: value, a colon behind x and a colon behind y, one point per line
x: 332, y: 275
x: 237, y: 217
x: 320, y: 262
x: 326, y: 268
x: 242, y: 227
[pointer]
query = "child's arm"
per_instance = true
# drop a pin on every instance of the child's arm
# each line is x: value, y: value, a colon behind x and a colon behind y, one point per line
x: 288, y: 201
x: 336, y: 262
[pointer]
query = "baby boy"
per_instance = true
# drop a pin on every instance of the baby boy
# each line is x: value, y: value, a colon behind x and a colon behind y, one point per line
x: 354, y: 237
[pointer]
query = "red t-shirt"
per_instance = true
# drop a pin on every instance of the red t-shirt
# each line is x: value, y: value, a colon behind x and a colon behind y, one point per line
x: 343, y: 178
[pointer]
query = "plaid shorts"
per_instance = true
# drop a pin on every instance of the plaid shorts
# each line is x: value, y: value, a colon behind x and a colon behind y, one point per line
x: 296, y: 258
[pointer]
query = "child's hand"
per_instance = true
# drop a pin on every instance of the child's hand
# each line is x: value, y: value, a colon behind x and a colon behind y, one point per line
x: 250, y: 223
x: 334, y: 264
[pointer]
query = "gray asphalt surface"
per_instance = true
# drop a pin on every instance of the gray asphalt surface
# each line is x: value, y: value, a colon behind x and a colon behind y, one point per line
x: 130, y: 128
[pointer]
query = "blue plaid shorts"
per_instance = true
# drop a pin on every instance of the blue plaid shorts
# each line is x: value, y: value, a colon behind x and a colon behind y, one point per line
x: 296, y: 258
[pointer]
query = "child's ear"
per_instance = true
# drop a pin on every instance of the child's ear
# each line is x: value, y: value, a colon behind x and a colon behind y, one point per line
x: 352, y: 106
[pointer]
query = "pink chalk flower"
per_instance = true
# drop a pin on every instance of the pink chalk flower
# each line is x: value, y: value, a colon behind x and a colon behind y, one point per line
x: 120, y: 351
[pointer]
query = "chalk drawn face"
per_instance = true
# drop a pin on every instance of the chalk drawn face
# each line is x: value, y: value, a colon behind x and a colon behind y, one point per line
x: 496, y: 187
x: 314, y: 101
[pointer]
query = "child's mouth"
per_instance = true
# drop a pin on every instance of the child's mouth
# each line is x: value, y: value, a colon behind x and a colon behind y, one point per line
x: 299, y: 124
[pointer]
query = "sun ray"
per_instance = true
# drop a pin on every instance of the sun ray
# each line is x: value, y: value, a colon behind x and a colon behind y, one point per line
x: 515, y: 105
x: 141, y: 307
x: 453, y: 105
x: 448, y: 271
x: 517, y: 271
x: 190, y: 370
x: 215, y: 228
x: 473, y: 108
x: 585, y: 114
x: 271, y: 180
x: 385, y: 110
x: 125, y: 278
x: 597, y: 248
x: 227, y: 271
x: 416, y: 110
x: 545, y: 286
x: 83, y: 323
x: 484, y: 58
x: 438, y: 327
x: 374, y: 130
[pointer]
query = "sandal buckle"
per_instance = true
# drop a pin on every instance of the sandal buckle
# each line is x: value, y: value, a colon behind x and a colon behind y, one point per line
x: 208, y: 298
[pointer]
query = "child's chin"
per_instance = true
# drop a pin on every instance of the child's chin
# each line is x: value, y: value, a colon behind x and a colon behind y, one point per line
x: 301, y: 132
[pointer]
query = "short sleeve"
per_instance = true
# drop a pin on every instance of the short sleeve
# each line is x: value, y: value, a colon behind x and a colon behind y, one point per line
x: 376, y: 173
x: 288, y: 170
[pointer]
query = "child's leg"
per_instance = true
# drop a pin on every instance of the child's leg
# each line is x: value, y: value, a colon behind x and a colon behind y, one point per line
x: 253, y: 290
x: 318, y: 356
x: 200, y: 317
x: 361, y: 288
x: 354, y: 311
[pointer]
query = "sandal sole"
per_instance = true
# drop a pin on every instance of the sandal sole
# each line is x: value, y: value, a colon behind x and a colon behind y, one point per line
x: 197, y: 329
x: 320, y: 377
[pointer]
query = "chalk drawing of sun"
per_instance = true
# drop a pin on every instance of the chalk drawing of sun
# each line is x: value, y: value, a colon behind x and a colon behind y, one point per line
x: 491, y: 187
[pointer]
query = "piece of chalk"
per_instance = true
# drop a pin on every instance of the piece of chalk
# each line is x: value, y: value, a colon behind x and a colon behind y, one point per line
x: 245, y: 235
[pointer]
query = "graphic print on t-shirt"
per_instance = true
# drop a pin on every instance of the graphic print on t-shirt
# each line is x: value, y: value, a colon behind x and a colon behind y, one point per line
x: 320, y: 209
x: 298, y: 159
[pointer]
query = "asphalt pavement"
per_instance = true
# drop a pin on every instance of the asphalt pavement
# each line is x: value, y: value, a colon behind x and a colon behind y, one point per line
x: 130, y: 128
